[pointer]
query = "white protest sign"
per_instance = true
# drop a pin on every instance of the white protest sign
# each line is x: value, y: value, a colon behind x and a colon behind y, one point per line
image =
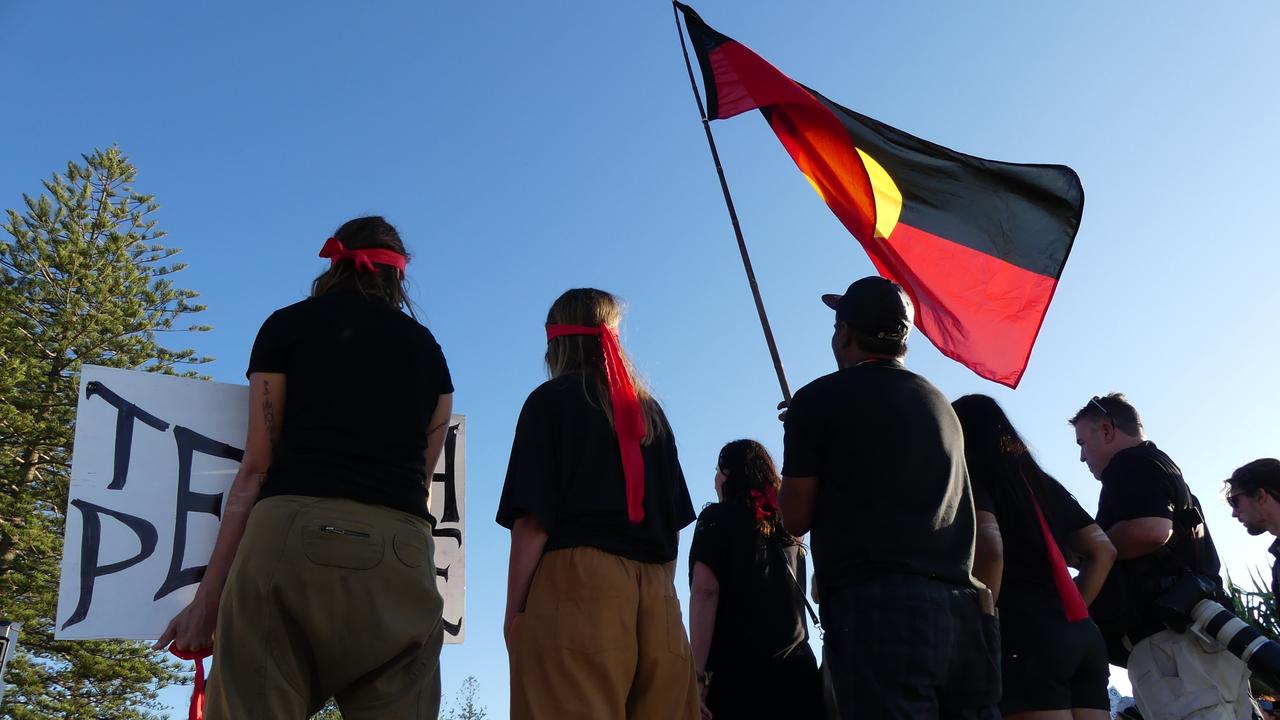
x: 154, y: 456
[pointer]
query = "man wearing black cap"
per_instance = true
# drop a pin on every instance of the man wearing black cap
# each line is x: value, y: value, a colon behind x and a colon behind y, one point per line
x: 874, y: 466
x: 1254, y: 495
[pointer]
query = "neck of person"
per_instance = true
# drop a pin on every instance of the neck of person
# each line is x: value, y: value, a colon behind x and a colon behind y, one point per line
x: 1273, y: 518
x: 854, y: 355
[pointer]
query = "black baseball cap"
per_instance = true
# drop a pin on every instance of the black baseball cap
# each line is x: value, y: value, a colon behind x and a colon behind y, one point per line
x: 875, y: 306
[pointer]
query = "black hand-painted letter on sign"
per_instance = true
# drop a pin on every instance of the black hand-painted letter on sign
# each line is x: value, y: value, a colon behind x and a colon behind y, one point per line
x: 126, y: 413
x: 91, y: 539
x: 190, y: 442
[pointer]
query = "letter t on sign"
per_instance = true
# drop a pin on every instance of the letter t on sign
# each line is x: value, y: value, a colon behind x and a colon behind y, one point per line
x: 126, y: 413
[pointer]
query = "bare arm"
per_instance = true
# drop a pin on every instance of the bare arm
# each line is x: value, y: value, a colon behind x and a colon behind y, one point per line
x: 795, y: 502
x: 1140, y: 536
x: 192, y: 629
x: 704, y: 597
x: 527, y: 541
x: 437, y: 431
x: 988, y: 555
x: 1097, y: 555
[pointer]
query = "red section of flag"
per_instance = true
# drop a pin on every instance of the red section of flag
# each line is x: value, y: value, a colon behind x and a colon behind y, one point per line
x: 976, y: 308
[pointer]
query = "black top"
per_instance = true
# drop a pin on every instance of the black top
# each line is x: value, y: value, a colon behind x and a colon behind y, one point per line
x: 1143, y: 482
x: 566, y: 470
x: 363, y: 380
x: 1275, y: 572
x: 1026, y: 559
x: 760, y: 614
x: 893, y: 492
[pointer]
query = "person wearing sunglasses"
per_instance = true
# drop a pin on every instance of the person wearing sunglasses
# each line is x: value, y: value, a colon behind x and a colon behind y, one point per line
x: 1157, y: 527
x: 1253, y: 492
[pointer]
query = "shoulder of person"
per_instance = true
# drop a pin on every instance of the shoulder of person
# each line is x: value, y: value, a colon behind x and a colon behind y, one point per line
x: 817, y: 389
x: 556, y: 390
x: 303, y: 306
x: 712, y: 514
x: 1143, y: 462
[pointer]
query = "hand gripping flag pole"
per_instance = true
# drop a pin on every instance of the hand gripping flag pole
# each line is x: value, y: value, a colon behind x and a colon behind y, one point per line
x: 733, y: 217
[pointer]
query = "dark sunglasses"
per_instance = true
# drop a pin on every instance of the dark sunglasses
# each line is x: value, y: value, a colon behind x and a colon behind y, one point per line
x: 1234, y: 499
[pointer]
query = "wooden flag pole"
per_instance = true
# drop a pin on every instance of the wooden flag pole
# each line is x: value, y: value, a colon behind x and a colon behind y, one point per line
x: 733, y: 217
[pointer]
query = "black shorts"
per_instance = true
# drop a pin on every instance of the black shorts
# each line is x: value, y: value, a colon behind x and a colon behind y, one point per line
x: 1049, y: 663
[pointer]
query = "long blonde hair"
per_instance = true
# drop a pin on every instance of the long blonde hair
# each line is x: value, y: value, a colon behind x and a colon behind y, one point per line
x: 582, y: 353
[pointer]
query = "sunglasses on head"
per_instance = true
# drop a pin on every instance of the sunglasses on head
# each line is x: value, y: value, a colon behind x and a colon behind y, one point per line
x: 1097, y: 402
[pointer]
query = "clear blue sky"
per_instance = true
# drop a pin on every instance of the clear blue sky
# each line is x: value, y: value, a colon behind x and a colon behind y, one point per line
x: 525, y: 148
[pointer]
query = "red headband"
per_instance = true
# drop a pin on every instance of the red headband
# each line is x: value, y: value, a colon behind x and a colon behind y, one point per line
x: 628, y: 422
x: 364, y: 258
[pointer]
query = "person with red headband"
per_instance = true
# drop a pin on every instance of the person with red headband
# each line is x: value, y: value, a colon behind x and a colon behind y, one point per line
x: 595, y: 500
x: 746, y: 604
x: 322, y: 579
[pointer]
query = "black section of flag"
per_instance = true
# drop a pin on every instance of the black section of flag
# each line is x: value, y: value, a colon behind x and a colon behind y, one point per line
x: 1026, y: 215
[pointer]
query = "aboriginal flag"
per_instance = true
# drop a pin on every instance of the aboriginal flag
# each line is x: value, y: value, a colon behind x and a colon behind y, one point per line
x: 979, y: 245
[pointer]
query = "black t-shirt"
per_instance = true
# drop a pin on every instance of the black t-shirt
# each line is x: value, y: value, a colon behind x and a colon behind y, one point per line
x: 566, y: 470
x: 362, y: 381
x: 760, y: 614
x: 1026, y: 559
x: 1143, y: 482
x: 1275, y: 573
x: 893, y: 492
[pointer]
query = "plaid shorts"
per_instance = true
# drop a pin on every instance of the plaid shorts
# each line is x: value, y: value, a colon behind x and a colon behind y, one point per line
x: 910, y: 647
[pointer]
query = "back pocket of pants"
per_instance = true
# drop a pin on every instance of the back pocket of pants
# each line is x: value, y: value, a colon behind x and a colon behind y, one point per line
x: 342, y: 544
x: 589, y: 625
x: 411, y: 547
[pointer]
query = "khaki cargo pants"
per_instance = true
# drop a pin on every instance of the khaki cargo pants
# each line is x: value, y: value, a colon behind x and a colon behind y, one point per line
x: 328, y: 597
x: 1176, y: 676
x: 601, y: 638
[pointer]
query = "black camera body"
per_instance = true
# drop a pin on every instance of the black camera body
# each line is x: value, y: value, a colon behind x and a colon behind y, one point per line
x: 1187, y: 603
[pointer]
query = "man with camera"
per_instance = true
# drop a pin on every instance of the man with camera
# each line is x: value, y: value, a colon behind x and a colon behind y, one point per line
x: 874, y: 465
x: 1254, y: 495
x: 1160, y: 535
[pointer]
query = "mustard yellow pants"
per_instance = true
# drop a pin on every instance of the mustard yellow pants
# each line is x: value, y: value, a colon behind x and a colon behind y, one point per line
x: 328, y: 598
x: 601, y: 638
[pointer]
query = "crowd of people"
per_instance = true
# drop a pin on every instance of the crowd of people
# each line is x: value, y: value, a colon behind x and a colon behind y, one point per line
x: 940, y: 547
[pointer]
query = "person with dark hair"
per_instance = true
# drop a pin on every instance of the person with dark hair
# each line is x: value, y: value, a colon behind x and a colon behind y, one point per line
x: 1158, y: 529
x: 595, y: 500
x: 1054, y: 660
x: 874, y: 466
x: 332, y: 592
x: 1253, y: 492
x: 746, y: 604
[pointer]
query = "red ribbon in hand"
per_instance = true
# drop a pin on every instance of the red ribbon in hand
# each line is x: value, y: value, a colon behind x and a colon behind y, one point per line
x: 364, y: 258
x: 196, y: 711
x: 628, y: 422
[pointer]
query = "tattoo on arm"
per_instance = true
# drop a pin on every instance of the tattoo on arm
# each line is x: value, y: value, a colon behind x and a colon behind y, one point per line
x: 269, y: 413
x: 437, y: 428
